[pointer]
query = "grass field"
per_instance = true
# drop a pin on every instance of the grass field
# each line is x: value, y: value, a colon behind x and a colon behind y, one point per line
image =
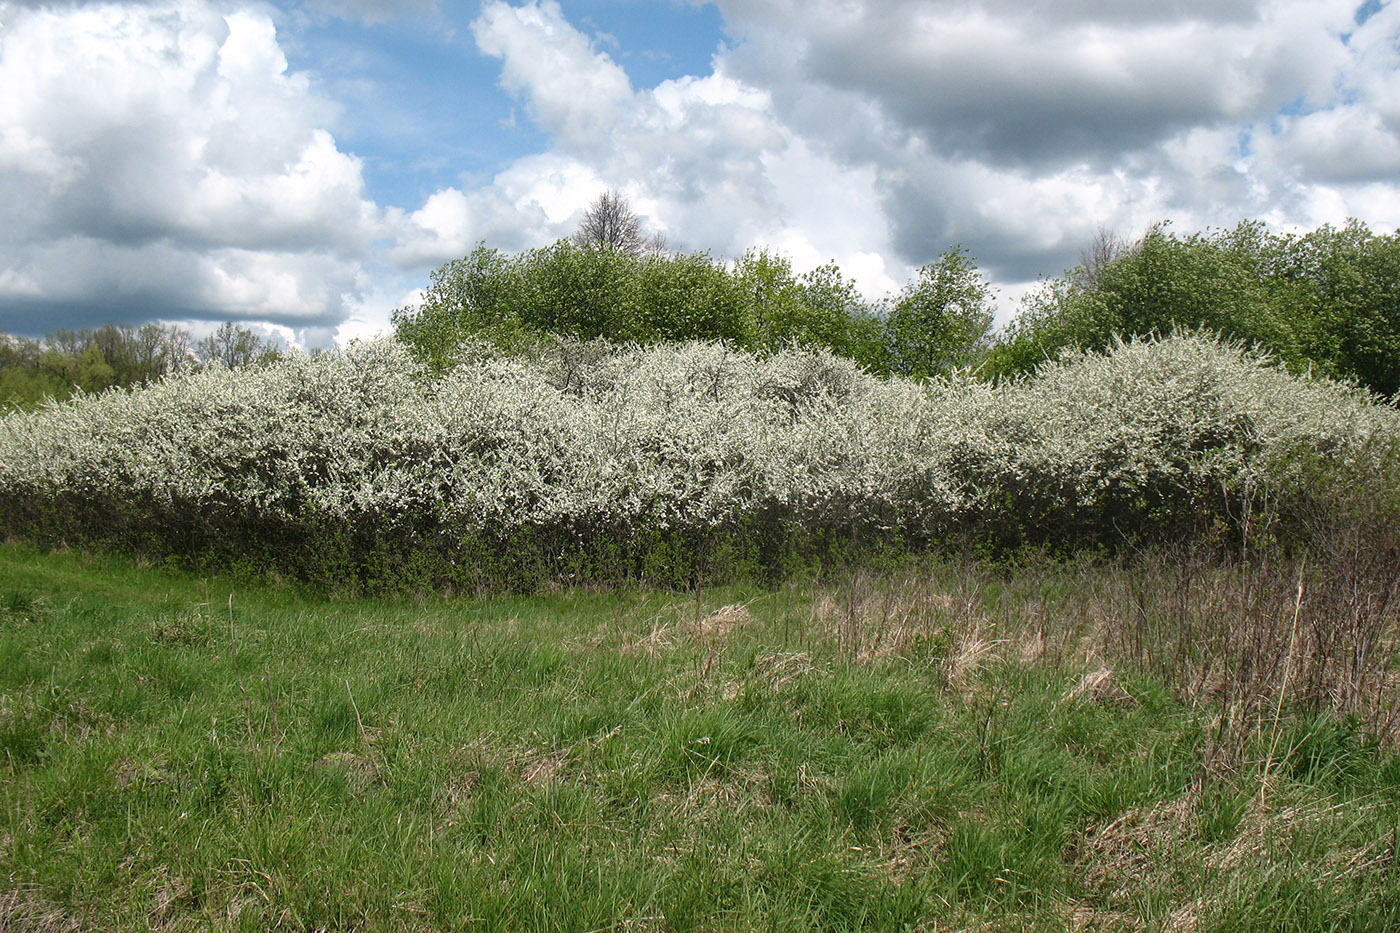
x: 954, y: 747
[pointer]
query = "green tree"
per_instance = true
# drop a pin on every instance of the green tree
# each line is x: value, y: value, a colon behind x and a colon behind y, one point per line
x: 1218, y: 281
x: 1344, y: 284
x: 24, y: 383
x: 689, y: 297
x: 92, y: 372
x: 774, y: 297
x: 942, y: 321
x: 475, y: 296
x: 570, y: 290
x: 820, y: 308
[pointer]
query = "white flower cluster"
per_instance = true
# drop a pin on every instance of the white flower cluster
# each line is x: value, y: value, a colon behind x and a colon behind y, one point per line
x: 679, y: 437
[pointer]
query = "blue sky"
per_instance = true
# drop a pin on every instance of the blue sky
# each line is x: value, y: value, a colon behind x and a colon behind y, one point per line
x: 422, y: 106
x: 302, y: 166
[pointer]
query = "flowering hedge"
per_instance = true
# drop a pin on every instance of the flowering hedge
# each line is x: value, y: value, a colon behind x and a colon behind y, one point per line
x: 359, y: 468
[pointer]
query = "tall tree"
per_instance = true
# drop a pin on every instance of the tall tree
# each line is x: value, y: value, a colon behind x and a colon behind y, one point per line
x: 610, y: 223
x: 941, y: 321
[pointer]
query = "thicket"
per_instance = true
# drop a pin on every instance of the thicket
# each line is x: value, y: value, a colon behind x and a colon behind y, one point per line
x: 1327, y: 300
x: 679, y: 463
x: 940, y: 321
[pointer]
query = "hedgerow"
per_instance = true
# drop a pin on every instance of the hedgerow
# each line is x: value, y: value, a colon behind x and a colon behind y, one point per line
x: 363, y: 469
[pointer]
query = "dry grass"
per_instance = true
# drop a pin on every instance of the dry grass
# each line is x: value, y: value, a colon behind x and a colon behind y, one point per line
x: 666, y: 635
x: 1160, y: 848
x: 23, y: 911
x: 912, y: 851
x: 1116, y: 858
x: 1098, y: 686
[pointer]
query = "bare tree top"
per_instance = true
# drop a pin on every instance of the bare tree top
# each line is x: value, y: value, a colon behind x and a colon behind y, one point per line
x: 1106, y: 248
x: 610, y: 223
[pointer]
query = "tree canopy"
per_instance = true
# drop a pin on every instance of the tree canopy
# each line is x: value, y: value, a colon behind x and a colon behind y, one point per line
x: 1327, y: 300
x: 757, y: 303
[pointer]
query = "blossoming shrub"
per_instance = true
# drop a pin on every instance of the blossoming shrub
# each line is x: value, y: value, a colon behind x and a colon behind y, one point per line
x: 361, y: 470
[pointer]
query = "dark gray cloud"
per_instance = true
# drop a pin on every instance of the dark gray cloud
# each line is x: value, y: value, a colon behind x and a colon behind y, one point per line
x: 1040, y: 84
x: 1017, y: 129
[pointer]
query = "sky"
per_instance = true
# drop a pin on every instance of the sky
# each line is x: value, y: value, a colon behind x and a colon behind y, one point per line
x: 302, y: 166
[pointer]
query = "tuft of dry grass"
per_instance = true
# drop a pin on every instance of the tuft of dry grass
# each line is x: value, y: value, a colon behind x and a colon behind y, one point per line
x: 1097, y: 686
x: 1114, y: 859
x: 667, y: 635
x: 873, y: 617
x: 22, y: 910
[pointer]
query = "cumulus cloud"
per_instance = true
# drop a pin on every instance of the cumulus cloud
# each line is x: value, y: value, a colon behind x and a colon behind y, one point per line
x: 575, y: 92
x: 703, y: 158
x: 161, y: 159
x: 163, y: 156
x: 1043, y: 83
x: 881, y: 132
x: 1019, y: 129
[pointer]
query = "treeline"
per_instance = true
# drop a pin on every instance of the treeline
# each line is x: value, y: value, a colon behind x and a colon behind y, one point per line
x: 941, y: 321
x: 67, y: 362
x: 1326, y: 301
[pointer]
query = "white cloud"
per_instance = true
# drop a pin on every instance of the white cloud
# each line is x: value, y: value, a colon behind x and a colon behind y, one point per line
x: 1018, y: 129
x: 574, y: 91
x: 702, y: 158
x: 162, y: 156
x: 852, y: 129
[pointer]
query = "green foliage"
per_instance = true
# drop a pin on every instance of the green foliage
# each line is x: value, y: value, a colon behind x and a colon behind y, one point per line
x: 571, y: 290
x: 25, y: 387
x: 942, y: 321
x: 1327, y: 300
x: 1345, y: 285
x: 589, y: 291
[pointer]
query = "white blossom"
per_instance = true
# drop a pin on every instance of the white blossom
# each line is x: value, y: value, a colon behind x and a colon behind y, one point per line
x: 680, y: 437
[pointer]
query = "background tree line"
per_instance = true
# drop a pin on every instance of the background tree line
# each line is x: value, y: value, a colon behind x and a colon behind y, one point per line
x: 1328, y: 300
x: 69, y: 361
x: 612, y: 281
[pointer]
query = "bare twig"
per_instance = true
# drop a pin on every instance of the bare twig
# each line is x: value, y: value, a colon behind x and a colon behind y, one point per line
x: 360, y: 722
x: 1283, y: 687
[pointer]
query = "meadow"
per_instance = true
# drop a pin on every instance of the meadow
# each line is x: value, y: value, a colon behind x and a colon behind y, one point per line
x: 683, y: 637
x: 948, y: 747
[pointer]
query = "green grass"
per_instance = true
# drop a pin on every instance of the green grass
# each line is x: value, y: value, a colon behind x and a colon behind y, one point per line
x: 955, y: 749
